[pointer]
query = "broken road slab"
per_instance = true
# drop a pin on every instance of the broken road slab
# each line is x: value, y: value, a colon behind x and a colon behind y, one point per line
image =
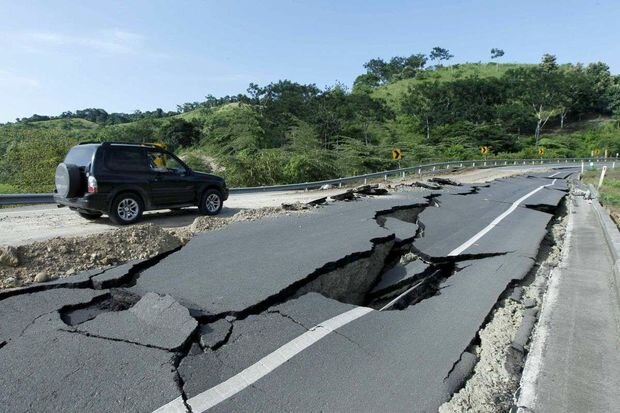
x: 154, y: 321
x: 18, y: 312
x: 65, y: 371
x: 419, y: 352
x: 232, y: 271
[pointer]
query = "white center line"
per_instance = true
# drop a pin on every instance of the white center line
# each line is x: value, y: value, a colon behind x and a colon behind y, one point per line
x: 485, y: 230
x: 551, y: 176
x: 217, y: 394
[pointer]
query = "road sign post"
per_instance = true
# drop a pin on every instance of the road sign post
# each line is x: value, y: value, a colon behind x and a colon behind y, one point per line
x: 600, y: 181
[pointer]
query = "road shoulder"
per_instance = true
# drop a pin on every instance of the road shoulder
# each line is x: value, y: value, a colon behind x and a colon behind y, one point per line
x: 574, y: 358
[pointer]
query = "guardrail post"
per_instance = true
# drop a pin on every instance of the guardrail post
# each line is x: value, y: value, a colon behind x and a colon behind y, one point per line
x: 448, y: 166
x: 461, y: 165
x: 385, y: 177
x: 613, y: 165
x: 404, y: 173
x: 433, y: 169
x: 473, y: 165
x: 365, y: 181
x: 340, y: 184
x: 419, y: 171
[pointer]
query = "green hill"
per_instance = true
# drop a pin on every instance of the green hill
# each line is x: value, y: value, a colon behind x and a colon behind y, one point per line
x: 290, y: 132
x: 394, y: 91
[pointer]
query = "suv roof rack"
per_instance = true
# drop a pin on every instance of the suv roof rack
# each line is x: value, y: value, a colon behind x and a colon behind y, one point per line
x: 150, y: 145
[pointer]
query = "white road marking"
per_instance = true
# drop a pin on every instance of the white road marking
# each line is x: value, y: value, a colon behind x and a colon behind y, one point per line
x: 217, y: 394
x: 269, y: 363
x: 551, y: 176
x: 175, y: 406
x: 394, y: 301
x: 496, y: 221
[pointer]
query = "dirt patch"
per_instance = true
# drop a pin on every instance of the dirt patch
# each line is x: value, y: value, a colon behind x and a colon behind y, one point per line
x: 60, y: 257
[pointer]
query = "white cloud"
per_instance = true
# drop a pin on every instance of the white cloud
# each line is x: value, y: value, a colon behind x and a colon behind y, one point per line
x: 12, y: 80
x: 112, y: 41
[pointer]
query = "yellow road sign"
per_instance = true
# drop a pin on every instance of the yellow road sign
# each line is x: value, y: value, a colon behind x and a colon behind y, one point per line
x: 596, y: 152
x: 541, y: 151
x: 397, y: 155
x: 484, y: 150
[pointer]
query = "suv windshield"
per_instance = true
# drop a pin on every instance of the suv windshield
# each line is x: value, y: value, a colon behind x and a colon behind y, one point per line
x: 80, y: 155
x: 162, y: 162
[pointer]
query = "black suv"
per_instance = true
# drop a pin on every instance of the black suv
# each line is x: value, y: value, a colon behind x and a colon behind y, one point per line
x: 123, y: 180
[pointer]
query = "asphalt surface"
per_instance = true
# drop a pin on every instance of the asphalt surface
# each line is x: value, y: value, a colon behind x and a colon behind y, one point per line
x: 273, y: 311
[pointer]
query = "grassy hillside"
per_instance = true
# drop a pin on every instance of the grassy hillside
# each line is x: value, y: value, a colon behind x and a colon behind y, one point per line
x: 393, y: 92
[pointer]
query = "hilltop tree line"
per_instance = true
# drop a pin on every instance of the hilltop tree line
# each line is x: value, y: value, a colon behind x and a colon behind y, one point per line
x: 290, y: 132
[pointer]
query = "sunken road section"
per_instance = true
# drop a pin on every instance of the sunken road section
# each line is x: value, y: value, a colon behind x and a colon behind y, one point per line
x: 285, y: 306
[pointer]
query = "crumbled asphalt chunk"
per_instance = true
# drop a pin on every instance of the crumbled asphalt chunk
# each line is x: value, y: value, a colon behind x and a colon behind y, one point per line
x: 154, y: 321
x: 345, y: 196
x: 214, y: 334
x: 460, y: 371
x: 530, y: 315
x: 444, y: 181
x: 113, y: 277
x: 427, y: 185
x: 18, y: 312
x: 515, y: 295
x: 64, y: 371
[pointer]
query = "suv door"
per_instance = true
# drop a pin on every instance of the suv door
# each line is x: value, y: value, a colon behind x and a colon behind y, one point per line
x: 170, y: 183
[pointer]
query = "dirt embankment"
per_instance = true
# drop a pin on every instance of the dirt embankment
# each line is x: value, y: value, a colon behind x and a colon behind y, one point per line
x: 61, y: 257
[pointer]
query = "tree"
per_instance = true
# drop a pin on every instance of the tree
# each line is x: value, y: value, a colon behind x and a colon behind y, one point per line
x: 378, y: 68
x: 439, y: 54
x: 419, y: 103
x: 178, y: 132
x: 496, y: 54
x: 549, y: 63
x: 365, y: 83
x: 366, y: 111
x: 539, y: 89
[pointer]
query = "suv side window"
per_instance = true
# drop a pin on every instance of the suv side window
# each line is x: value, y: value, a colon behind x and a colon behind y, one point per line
x: 125, y: 159
x: 162, y: 162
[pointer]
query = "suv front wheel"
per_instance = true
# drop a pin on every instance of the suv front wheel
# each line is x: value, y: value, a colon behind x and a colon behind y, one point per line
x: 126, y: 209
x: 211, y: 202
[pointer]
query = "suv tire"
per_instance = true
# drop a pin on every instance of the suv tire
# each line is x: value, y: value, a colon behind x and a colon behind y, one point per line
x: 127, y: 208
x: 90, y: 215
x: 211, y: 202
x: 68, y: 180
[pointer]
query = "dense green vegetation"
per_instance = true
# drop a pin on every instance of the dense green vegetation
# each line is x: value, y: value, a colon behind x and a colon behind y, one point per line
x: 290, y: 132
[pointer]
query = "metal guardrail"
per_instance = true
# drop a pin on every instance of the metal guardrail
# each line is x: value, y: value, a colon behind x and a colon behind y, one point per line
x: 18, y: 199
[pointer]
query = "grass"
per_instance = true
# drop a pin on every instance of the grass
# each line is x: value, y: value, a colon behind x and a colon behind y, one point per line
x: 609, y: 194
x: 8, y: 189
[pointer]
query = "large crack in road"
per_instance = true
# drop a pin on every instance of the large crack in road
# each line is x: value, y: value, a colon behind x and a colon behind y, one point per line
x: 241, y: 308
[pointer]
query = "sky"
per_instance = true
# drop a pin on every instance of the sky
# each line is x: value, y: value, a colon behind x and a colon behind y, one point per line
x: 124, y: 55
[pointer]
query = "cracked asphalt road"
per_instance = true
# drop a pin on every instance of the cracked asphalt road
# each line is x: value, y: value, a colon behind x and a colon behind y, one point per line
x: 211, y: 325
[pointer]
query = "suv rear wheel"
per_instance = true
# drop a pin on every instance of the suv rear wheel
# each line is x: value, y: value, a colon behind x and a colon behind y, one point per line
x: 211, y: 202
x: 126, y: 209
